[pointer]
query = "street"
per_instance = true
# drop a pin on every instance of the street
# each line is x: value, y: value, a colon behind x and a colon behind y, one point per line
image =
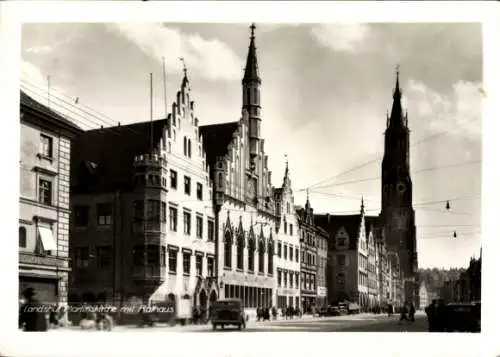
x: 351, y: 323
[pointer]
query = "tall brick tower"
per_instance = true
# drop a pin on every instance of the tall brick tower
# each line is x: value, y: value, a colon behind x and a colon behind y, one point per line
x: 398, y: 215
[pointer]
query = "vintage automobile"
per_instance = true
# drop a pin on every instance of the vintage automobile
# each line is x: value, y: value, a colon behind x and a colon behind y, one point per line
x: 463, y: 317
x: 228, y: 312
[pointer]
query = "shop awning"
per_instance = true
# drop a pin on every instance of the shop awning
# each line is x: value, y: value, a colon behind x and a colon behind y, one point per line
x: 47, y: 238
x: 160, y: 294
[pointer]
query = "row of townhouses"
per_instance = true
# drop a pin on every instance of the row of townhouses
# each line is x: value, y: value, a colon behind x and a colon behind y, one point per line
x: 169, y: 209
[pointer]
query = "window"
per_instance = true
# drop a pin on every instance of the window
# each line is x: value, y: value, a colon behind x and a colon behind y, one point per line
x: 199, y: 227
x: 291, y: 253
x: 227, y: 249
x: 173, y: 218
x: 189, y: 147
x: 139, y: 210
x: 303, y: 276
x: 163, y: 256
x: 261, y: 255
x: 46, y: 146
x: 138, y: 255
x: 22, y: 237
x: 210, y: 266
x: 154, y: 210
x: 210, y: 231
x: 103, y: 214
x: 187, y: 223
x: 239, y: 251
x: 187, y: 185
x: 251, y: 254
x: 172, y: 260
x: 341, y: 241
x: 199, y: 191
x: 81, y: 215
x: 173, y: 179
x: 297, y: 255
x: 285, y: 251
x: 285, y: 279
x: 104, y: 256
x: 288, y: 207
x: 82, y: 257
x: 297, y: 280
x: 285, y: 225
x: 199, y: 265
x: 279, y: 249
x: 186, y: 263
x: 185, y: 146
x: 270, y: 257
x: 291, y: 229
x: 45, y: 191
x: 163, y: 212
x: 279, y: 277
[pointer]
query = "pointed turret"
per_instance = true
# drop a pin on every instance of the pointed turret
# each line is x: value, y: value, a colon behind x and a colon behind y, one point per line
x: 396, y: 118
x: 252, y: 67
x: 362, y: 205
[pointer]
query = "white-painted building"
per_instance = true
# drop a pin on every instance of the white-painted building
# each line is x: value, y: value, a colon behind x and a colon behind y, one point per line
x: 288, y: 247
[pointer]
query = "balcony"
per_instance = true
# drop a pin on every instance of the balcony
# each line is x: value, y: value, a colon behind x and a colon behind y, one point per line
x: 149, y: 272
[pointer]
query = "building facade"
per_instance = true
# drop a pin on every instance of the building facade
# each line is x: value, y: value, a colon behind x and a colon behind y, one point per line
x: 397, y: 214
x: 322, y: 259
x: 288, y: 247
x: 143, y: 226
x: 45, y: 150
x: 245, y: 211
x: 308, y: 257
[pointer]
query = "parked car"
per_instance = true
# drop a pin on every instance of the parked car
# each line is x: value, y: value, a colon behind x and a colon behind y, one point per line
x: 228, y: 312
x: 463, y: 317
x: 329, y: 311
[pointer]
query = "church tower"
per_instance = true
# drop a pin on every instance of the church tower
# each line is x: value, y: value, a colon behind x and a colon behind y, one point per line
x: 251, y: 98
x: 397, y: 214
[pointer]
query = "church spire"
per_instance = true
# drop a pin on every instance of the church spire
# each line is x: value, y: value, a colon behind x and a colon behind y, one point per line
x: 251, y: 68
x: 362, y: 205
x: 185, y: 80
x: 396, y: 118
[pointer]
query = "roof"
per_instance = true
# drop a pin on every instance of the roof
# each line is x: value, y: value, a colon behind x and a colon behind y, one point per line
x: 49, y: 114
x: 332, y: 223
x: 371, y: 222
x: 216, y: 139
x: 102, y: 159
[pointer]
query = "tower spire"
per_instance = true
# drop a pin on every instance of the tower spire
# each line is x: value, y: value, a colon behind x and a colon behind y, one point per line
x: 252, y: 68
x: 362, y: 205
x: 185, y: 79
x: 396, y: 118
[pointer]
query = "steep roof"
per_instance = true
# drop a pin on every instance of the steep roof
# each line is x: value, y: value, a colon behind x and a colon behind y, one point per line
x: 102, y: 159
x: 50, y: 115
x: 332, y: 223
x: 216, y: 139
x: 371, y: 222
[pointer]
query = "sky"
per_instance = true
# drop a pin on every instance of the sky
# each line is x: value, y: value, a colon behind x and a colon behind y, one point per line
x: 326, y: 89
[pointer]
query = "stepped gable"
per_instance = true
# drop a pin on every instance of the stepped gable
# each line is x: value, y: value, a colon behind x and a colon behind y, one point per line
x: 102, y: 159
x: 216, y: 139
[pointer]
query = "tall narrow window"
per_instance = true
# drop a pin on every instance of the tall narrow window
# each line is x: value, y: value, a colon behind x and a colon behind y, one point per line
x: 227, y: 249
x: 199, y: 191
x: 270, y: 256
x: 187, y: 185
x: 45, y: 191
x: 199, y: 227
x: 251, y: 253
x: 189, y: 147
x: 185, y: 146
x: 240, y: 249
x: 172, y: 260
x: 173, y: 179
x: 22, y: 237
x: 46, y: 146
x: 210, y: 231
x: 186, y: 263
x: 173, y: 218
x: 210, y: 266
x: 261, y: 255
x: 187, y: 223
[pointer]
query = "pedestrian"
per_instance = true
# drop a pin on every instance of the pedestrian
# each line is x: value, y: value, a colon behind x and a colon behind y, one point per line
x: 32, y: 315
x: 412, y: 312
x: 430, y: 311
x: 403, y: 312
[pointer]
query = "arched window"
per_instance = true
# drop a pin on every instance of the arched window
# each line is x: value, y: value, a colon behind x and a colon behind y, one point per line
x: 270, y: 256
x: 239, y: 252
x: 22, y: 237
x: 227, y: 249
x: 189, y: 147
x: 185, y: 146
x: 261, y: 255
x: 251, y: 253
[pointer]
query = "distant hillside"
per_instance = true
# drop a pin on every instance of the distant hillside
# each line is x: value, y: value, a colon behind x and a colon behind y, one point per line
x: 435, y: 277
